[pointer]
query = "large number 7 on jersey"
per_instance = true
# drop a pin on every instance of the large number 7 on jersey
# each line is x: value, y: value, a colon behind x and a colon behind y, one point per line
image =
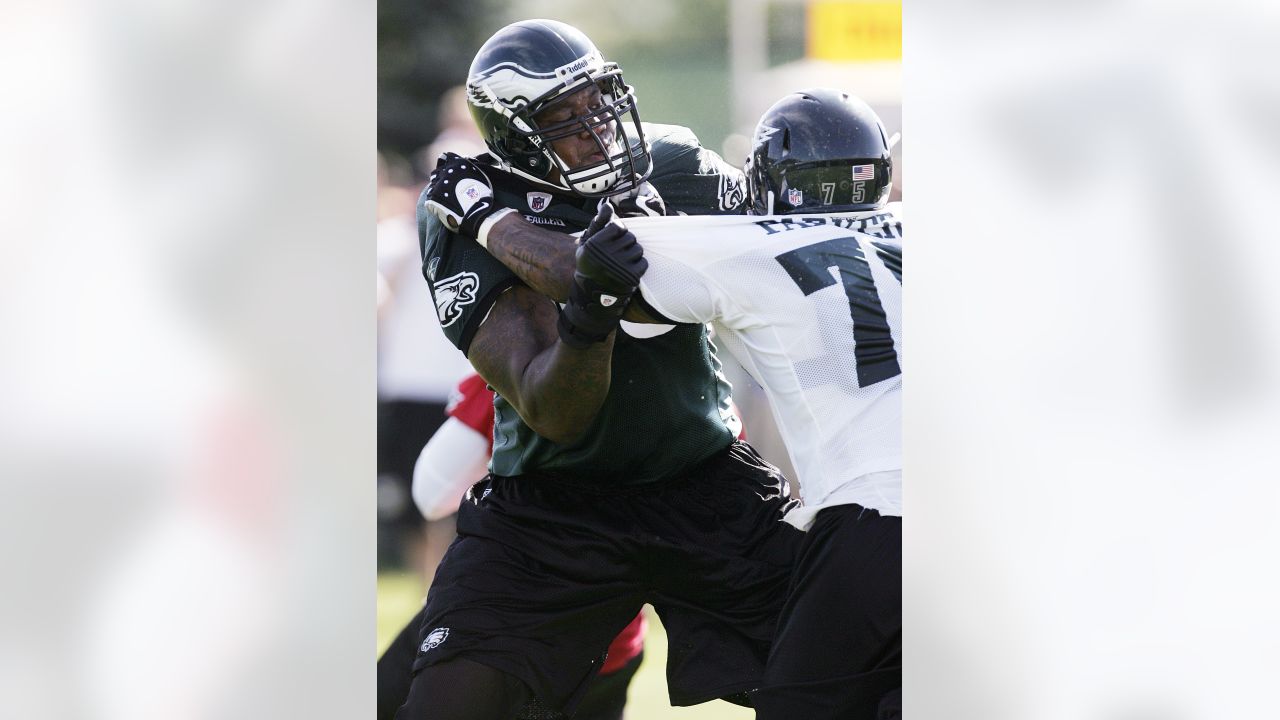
x: 875, y: 357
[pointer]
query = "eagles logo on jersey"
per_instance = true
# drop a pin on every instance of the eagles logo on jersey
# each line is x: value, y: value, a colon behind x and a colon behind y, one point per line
x: 452, y: 294
x: 733, y: 191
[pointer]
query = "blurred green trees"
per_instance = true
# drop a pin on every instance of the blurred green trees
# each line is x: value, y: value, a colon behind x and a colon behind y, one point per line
x: 424, y: 48
x: 675, y: 53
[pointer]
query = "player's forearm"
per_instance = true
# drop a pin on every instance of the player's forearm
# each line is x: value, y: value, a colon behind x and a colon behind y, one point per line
x: 543, y: 259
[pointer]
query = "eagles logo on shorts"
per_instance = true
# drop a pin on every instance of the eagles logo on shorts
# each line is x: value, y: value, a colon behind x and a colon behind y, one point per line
x: 434, y: 638
x: 452, y: 294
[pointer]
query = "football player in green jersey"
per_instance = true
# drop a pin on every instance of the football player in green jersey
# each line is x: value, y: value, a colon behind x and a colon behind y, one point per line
x: 616, y: 479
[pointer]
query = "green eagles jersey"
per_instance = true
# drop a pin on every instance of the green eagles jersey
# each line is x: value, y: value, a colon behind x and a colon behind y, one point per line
x: 668, y: 404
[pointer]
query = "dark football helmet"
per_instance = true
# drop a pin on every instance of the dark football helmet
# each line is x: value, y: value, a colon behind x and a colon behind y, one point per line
x: 527, y: 67
x: 818, y: 151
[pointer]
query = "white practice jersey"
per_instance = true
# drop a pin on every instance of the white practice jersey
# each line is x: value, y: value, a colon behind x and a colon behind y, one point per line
x: 811, y: 305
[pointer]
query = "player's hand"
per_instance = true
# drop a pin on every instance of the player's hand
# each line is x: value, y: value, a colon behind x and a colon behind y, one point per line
x: 609, y: 265
x: 643, y: 201
x: 460, y: 194
x: 609, y: 254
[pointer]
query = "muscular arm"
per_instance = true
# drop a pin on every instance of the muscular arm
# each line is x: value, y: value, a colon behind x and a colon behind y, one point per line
x: 557, y: 389
x: 542, y: 258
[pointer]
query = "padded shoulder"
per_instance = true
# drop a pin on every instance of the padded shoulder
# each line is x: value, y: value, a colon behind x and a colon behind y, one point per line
x: 692, y: 179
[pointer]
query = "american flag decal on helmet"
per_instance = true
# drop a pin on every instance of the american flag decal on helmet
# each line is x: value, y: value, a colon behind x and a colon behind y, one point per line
x: 864, y: 172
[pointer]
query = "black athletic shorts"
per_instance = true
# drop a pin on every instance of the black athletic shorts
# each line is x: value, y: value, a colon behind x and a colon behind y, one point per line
x: 545, y: 573
x: 838, y: 652
x: 605, y: 697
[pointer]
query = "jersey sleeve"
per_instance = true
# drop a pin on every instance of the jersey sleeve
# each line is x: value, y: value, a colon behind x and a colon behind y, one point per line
x: 465, y: 280
x: 471, y: 402
x: 691, y: 179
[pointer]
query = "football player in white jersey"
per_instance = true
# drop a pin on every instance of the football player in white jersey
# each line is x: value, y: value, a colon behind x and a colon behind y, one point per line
x: 807, y: 294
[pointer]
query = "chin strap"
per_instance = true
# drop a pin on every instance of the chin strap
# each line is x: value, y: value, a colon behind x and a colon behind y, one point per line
x: 519, y: 172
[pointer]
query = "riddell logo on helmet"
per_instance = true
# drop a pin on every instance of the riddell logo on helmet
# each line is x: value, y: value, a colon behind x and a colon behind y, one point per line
x: 570, y: 71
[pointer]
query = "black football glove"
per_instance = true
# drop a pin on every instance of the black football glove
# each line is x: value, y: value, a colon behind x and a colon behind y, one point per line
x: 609, y: 265
x: 460, y: 194
x: 644, y: 201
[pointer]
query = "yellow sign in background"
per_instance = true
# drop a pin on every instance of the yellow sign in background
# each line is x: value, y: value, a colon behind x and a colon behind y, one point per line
x: 855, y: 30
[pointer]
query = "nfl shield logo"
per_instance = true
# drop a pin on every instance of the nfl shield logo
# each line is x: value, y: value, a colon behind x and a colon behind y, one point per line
x: 538, y: 201
x: 795, y: 197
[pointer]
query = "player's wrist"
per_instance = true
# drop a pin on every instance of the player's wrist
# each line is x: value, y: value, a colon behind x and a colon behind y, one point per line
x: 591, y: 314
x: 574, y: 333
x: 487, y: 224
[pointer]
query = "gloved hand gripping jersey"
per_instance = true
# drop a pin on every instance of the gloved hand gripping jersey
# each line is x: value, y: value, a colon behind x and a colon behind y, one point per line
x: 609, y: 265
